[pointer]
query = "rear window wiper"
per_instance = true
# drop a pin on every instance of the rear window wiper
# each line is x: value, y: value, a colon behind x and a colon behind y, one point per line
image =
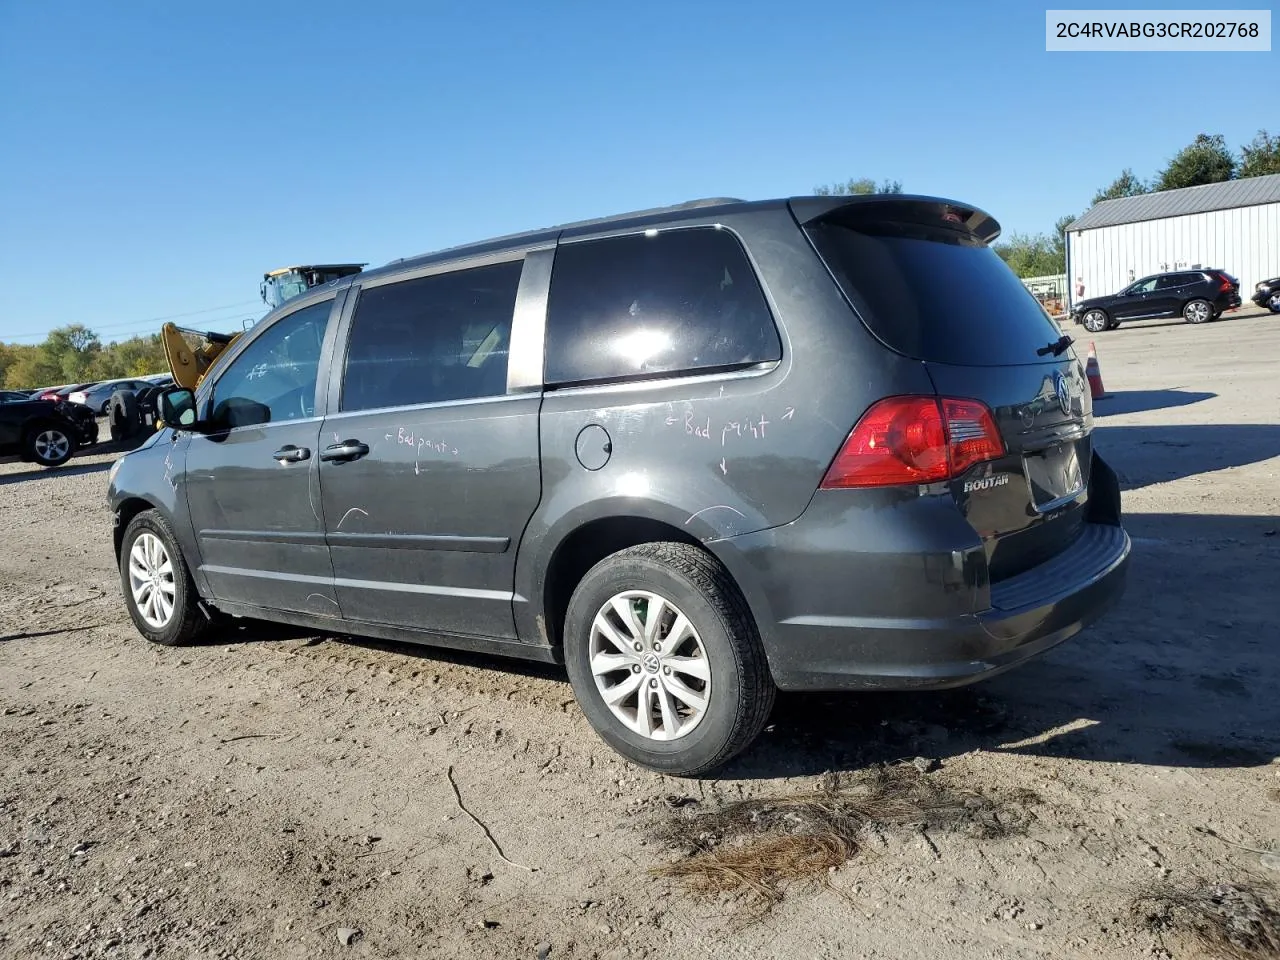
x: 1057, y: 348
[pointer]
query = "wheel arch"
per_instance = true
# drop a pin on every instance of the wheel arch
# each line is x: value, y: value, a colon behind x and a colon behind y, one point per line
x: 125, y: 511
x: 586, y: 545
x: 39, y: 423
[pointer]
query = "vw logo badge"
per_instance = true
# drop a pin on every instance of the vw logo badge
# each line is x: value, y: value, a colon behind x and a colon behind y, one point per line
x: 1063, y: 391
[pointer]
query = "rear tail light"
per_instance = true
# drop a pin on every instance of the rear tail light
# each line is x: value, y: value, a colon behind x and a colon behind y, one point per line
x: 909, y: 440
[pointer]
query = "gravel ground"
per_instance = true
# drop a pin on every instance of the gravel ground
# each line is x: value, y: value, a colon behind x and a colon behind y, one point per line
x: 269, y: 793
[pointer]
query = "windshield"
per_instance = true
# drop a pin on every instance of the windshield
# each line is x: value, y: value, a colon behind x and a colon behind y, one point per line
x: 935, y: 294
x: 278, y: 290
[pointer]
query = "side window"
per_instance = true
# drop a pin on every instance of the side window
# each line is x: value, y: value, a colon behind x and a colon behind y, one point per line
x: 274, y: 379
x: 645, y: 305
x: 1145, y: 286
x: 437, y: 338
x: 1173, y: 281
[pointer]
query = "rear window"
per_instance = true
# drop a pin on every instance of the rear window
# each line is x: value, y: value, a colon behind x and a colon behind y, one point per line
x: 934, y: 293
x: 655, y: 304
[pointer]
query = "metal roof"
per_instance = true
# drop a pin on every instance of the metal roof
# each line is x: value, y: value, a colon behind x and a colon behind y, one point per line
x: 1248, y: 192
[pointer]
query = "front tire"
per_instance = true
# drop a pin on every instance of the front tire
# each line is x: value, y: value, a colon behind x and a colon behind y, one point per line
x: 1273, y: 304
x: 49, y: 445
x: 665, y: 658
x: 1095, y: 321
x: 1198, y: 311
x: 157, y: 585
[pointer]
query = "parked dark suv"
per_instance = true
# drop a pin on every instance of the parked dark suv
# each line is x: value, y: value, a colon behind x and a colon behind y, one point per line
x: 46, y: 432
x: 1266, y: 293
x: 1195, y: 295
x: 697, y: 454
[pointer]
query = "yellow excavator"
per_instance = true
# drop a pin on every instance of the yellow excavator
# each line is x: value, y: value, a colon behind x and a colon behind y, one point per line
x: 192, y: 353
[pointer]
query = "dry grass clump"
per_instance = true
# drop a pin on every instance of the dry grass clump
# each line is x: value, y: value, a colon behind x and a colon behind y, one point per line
x: 754, y: 846
x: 1230, y: 921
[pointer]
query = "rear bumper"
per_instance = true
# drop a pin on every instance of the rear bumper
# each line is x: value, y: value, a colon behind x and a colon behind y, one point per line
x: 1029, y: 614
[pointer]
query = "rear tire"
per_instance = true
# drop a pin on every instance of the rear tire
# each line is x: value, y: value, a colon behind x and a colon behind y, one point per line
x: 1095, y: 321
x: 48, y: 444
x: 716, y: 659
x: 157, y: 585
x: 1198, y: 311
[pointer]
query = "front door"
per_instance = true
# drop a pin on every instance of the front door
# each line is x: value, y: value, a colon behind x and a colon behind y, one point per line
x: 253, y: 483
x: 1136, y: 303
x: 429, y: 468
x: 1166, y: 299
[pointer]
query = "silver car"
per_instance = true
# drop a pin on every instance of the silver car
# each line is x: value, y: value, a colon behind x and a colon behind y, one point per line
x: 98, y: 397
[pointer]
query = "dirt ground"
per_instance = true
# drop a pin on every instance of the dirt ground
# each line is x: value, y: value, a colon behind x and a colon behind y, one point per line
x: 268, y: 793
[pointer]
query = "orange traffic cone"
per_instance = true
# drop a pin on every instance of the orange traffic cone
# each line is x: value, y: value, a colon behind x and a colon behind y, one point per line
x: 1094, y: 373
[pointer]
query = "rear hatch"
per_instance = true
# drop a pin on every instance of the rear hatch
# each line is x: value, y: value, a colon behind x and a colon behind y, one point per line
x: 923, y: 278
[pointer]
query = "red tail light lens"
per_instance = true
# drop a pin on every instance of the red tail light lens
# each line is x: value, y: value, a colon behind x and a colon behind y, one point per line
x: 910, y: 440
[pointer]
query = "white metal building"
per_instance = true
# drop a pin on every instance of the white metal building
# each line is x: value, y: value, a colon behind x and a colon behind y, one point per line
x: 1233, y: 226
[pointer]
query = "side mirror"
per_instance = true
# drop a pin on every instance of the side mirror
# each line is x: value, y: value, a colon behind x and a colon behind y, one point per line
x: 177, y: 408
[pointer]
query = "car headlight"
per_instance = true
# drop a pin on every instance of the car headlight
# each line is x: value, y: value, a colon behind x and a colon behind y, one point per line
x: 115, y: 468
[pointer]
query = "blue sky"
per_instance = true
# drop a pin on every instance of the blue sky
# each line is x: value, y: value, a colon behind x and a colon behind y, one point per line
x: 157, y: 157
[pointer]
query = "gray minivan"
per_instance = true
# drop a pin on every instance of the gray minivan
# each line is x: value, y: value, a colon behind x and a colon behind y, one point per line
x: 697, y: 454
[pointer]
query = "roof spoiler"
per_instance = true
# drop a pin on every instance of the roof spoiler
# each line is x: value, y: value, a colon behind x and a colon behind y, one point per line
x: 900, y: 207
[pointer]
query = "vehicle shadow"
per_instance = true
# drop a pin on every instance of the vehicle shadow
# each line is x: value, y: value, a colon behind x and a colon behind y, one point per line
x: 1181, y: 673
x: 262, y: 631
x: 36, y: 472
x: 1135, y: 401
x: 1143, y: 455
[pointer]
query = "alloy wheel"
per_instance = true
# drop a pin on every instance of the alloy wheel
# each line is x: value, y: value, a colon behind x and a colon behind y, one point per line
x: 1198, y: 311
x: 1095, y: 321
x: 52, y: 445
x: 650, y: 665
x: 151, y: 580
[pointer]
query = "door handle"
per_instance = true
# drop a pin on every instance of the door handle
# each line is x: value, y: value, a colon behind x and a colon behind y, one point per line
x: 346, y: 450
x: 291, y: 454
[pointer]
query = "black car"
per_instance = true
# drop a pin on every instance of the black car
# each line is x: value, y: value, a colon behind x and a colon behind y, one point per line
x: 697, y: 455
x: 46, y: 432
x: 1267, y: 294
x: 1195, y: 295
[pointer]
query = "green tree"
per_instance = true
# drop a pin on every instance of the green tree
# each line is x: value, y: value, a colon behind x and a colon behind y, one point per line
x: 1204, y: 160
x: 1033, y: 255
x: 1125, y: 185
x: 1260, y: 156
x: 134, y: 357
x: 859, y: 187
x: 29, y: 368
x: 1060, y: 225
x: 71, y: 350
